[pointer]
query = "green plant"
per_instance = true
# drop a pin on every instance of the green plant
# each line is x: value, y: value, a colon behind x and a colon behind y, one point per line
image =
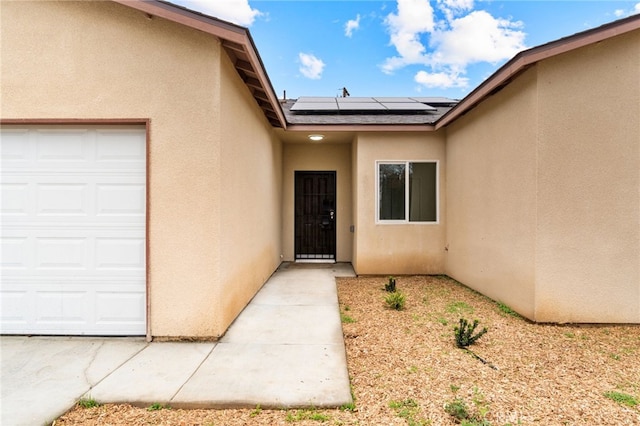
x: 507, y: 310
x: 157, y: 406
x: 256, y: 411
x: 622, y: 398
x: 408, y: 409
x: 395, y: 300
x: 88, y: 403
x: 459, y: 307
x: 346, y: 319
x: 310, y: 414
x: 457, y: 409
x: 464, y: 333
x: 391, y: 285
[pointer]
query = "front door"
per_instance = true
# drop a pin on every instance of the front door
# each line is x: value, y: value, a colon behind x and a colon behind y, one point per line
x: 315, y: 216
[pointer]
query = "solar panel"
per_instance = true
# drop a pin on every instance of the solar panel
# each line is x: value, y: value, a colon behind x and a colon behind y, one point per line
x: 360, y: 100
x: 307, y: 99
x: 407, y: 106
x: 315, y: 106
x: 361, y: 106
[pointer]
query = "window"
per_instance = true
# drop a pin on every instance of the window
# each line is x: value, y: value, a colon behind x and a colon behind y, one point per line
x: 407, y: 191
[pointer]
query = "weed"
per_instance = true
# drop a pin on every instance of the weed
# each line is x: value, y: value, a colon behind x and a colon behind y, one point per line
x: 412, y: 369
x: 157, y: 407
x: 408, y: 409
x: 622, y: 398
x: 443, y: 321
x: 464, y: 333
x: 395, y: 300
x: 459, y: 307
x: 347, y: 308
x: 310, y: 414
x: 459, y: 410
x: 88, y: 403
x: 346, y: 319
x: 615, y: 356
x: 350, y: 406
x: 569, y: 335
x: 256, y: 411
x: 507, y: 310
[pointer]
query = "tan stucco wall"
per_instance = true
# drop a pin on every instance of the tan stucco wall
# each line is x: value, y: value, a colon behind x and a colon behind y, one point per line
x: 588, y: 243
x: 88, y: 60
x: 318, y: 157
x: 250, y: 198
x: 491, y: 172
x: 396, y: 248
x: 543, y: 181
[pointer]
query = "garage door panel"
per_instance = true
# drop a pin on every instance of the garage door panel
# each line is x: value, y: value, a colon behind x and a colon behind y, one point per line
x: 73, y: 231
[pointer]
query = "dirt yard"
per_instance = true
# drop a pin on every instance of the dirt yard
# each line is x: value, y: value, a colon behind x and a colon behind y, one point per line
x: 405, y: 368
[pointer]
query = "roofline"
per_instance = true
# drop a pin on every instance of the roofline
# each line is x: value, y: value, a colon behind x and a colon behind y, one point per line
x: 530, y: 57
x: 233, y: 38
x: 360, y: 128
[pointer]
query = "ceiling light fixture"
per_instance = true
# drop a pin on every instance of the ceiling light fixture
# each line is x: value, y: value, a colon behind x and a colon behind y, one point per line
x: 316, y: 138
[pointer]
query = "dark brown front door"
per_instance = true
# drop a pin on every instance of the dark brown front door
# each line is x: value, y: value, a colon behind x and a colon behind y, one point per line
x: 315, y: 215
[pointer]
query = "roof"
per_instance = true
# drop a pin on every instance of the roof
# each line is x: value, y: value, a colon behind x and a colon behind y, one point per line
x: 241, y: 49
x: 236, y: 41
x: 365, y: 110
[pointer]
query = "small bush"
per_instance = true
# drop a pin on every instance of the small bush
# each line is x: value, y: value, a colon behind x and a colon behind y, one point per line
x: 395, y: 300
x: 391, y: 285
x: 457, y: 409
x: 156, y: 407
x: 88, y: 403
x: 464, y: 333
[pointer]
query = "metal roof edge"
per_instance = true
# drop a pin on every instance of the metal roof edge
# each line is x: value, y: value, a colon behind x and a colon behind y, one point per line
x: 523, y: 60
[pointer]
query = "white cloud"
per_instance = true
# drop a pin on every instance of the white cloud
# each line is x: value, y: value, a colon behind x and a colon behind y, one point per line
x: 636, y: 9
x: 236, y: 11
x: 351, y: 26
x: 442, y: 80
x: 619, y: 13
x: 477, y: 37
x: 462, y: 37
x: 414, y: 17
x: 310, y: 66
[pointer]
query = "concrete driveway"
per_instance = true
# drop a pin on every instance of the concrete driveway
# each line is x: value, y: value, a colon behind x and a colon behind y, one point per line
x: 284, y: 350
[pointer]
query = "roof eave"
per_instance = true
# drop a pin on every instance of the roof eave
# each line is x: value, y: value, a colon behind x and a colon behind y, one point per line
x: 236, y: 41
x: 528, y: 58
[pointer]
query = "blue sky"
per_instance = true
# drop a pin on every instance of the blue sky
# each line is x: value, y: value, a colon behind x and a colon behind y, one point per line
x: 401, y: 47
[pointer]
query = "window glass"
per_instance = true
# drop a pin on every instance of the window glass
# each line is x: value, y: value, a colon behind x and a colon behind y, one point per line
x: 407, y: 191
x: 422, y: 192
x: 392, y: 191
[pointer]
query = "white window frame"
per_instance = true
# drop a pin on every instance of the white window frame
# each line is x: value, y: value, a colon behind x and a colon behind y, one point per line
x: 406, y: 220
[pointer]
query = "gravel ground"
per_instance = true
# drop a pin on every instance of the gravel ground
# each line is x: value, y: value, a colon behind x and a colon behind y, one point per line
x: 405, y: 368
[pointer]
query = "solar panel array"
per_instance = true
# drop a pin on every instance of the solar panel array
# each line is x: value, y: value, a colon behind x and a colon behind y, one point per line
x: 363, y: 104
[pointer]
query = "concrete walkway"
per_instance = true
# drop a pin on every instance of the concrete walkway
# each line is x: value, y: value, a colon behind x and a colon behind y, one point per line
x: 284, y: 350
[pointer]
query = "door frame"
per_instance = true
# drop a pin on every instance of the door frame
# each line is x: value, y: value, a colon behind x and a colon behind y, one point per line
x: 318, y: 257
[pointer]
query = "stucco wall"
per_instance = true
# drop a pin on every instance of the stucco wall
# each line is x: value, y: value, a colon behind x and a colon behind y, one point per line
x: 588, y: 245
x: 543, y: 181
x: 88, y: 60
x: 413, y: 248
x: 250, y: 198
x: 491, y: 195
x: 318, y: 157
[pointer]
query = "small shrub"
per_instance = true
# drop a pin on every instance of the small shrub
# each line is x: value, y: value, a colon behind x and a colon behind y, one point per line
x: 464, y: 333
x: 157, y: 406
x: 622, y: 398
x: 395, y: 300
x: 88, y: 403
x: 391, y: 285
x: 457, y: 409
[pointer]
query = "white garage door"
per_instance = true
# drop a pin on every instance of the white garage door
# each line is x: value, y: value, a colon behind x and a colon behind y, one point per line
x: 73, y: 230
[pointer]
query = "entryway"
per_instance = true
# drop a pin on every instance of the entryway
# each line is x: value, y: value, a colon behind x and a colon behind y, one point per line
x: 315, y: 216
